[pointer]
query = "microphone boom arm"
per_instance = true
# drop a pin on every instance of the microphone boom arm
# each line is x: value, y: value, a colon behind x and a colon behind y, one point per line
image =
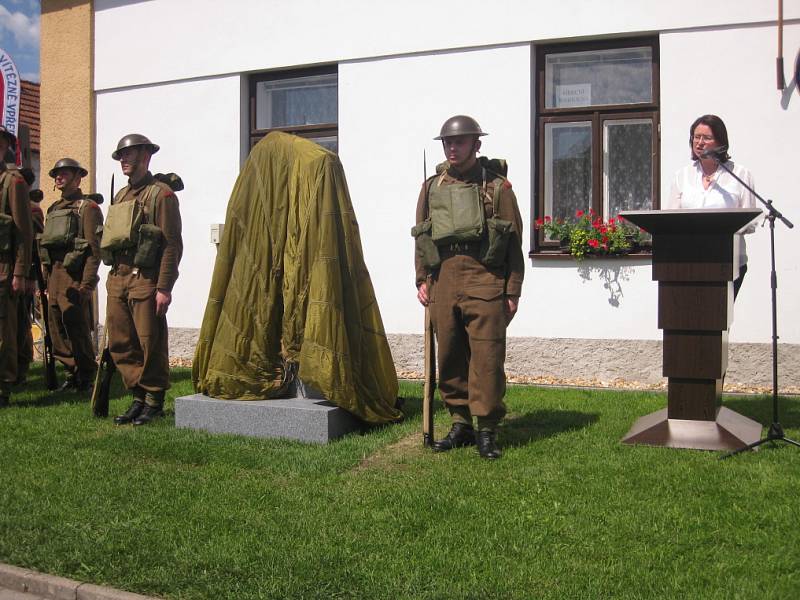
x: 768, y: 203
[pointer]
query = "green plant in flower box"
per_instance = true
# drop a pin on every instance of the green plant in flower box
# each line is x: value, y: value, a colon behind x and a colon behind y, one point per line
x: 589, y: 234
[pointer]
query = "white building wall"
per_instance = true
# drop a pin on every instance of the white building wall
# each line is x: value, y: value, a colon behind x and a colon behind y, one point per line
x: 391, y: 106
x: 731, y: 72
x: 181, y: 39
x: 196, y: 123
x: 389, y: 112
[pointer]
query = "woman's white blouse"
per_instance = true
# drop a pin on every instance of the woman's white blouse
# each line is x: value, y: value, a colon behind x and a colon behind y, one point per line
x: 724, y: 192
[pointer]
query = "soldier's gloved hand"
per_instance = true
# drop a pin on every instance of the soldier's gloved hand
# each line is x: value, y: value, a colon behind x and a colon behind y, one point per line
x: 163, y: 300
x: 512, y: 304
x: 422, y: 293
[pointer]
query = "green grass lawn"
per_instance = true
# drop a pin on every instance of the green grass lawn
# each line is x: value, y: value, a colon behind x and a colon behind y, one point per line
x: 568, y: 512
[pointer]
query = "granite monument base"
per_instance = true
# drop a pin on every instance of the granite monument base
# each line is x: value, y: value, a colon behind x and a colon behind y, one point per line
x: 305, y: 419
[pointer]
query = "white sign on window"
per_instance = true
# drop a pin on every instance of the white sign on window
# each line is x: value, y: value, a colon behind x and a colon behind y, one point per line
x: 577, y: 94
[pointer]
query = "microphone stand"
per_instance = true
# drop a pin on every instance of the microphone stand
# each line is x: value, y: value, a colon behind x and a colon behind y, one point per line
x: 775, y: 429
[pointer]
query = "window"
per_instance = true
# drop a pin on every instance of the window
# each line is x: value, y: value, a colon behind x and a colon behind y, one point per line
x: 304, y: 103
x: 597, y: 130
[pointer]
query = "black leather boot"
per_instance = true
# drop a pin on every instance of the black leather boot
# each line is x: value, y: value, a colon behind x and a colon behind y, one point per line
x: 133, y: 411
x: 148, y: 414
x: 487, y: 444
x: 69, y: 384
x: 460, y: 435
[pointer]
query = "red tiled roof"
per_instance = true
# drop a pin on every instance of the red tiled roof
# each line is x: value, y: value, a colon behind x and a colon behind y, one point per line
x: 29, y: 112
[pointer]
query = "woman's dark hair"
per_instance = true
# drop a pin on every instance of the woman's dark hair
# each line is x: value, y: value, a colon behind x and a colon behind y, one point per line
x: 719, y: 130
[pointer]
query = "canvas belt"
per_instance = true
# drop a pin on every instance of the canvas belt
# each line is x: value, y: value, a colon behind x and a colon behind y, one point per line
x: 460, y: 248
x: 124, y: 257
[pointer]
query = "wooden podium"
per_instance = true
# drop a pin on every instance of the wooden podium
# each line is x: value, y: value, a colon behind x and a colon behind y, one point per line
x: 695, y: 260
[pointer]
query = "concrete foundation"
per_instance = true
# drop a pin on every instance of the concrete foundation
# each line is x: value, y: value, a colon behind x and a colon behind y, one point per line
x: 304, y: 419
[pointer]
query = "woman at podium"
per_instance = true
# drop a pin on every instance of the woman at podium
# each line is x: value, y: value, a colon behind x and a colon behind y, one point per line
x: 705, y: 184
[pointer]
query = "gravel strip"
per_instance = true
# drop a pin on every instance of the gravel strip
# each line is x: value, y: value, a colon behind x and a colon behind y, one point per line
x: 618, y: 364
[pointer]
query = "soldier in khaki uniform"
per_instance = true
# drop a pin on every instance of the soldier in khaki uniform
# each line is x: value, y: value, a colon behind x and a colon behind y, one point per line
x: 70, y: 255
x: 143, y: 273
x: 16, y: 239
x: 25, y: 304
x: 469, y: 271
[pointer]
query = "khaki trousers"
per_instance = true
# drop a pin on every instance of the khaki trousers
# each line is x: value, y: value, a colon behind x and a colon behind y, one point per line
x: 8, y: 335
x: 137, y: 338
x: 24, y: 336
x: 469, y: 318
x: 69, y: 319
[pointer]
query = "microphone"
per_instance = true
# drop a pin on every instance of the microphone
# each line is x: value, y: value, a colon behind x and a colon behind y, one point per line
x: 716, y: 153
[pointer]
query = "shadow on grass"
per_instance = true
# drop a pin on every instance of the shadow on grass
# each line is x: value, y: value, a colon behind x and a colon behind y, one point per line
x: 759, y: 408
x: 541, y: 424
x: 180, y: 375
x: 44, y: 397
x: 34, y: 392
x: 517, y: 430
x: 412, y: 406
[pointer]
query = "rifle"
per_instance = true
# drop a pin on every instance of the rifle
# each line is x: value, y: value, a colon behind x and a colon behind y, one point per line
x: 102, y: 384
x: 430, y: 364
x: 49, y: 360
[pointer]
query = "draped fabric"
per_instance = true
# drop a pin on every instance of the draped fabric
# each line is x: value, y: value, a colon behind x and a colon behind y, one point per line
x: 290, y: 294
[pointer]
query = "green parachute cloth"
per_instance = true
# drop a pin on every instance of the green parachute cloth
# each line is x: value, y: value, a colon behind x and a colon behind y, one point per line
x: 290, y: 289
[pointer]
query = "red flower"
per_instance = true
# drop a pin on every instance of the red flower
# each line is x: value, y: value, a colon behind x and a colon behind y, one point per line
x: 611, y: 221
x: 620, y: 218
x: 578, y: 213
x: 593, y: 243
x: 547, y: 219
x: 591, y: 211
x: 539, y: 222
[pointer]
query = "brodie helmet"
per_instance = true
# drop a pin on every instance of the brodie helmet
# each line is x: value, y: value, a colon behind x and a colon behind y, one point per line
x: 134, y: 139
x: 460, y: 125
x: 68, y: 163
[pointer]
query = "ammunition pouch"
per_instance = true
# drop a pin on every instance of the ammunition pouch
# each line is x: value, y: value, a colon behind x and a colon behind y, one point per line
x: 105, y: 255
x: 60, y: 229
x: 495, y: 246
x: 456, y: 213
x: 148, y: 247
x: 425, y: 248
x: 6, y: 232
x: 121, y: 229
x: 44, y: 253
x: 74, y: 259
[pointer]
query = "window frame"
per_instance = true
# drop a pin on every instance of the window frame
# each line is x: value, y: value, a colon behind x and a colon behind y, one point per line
x: 596, y: 115
x: 306, y: 131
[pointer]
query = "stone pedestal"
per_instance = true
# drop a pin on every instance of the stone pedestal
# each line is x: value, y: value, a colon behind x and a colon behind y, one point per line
x: 304, y: 419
